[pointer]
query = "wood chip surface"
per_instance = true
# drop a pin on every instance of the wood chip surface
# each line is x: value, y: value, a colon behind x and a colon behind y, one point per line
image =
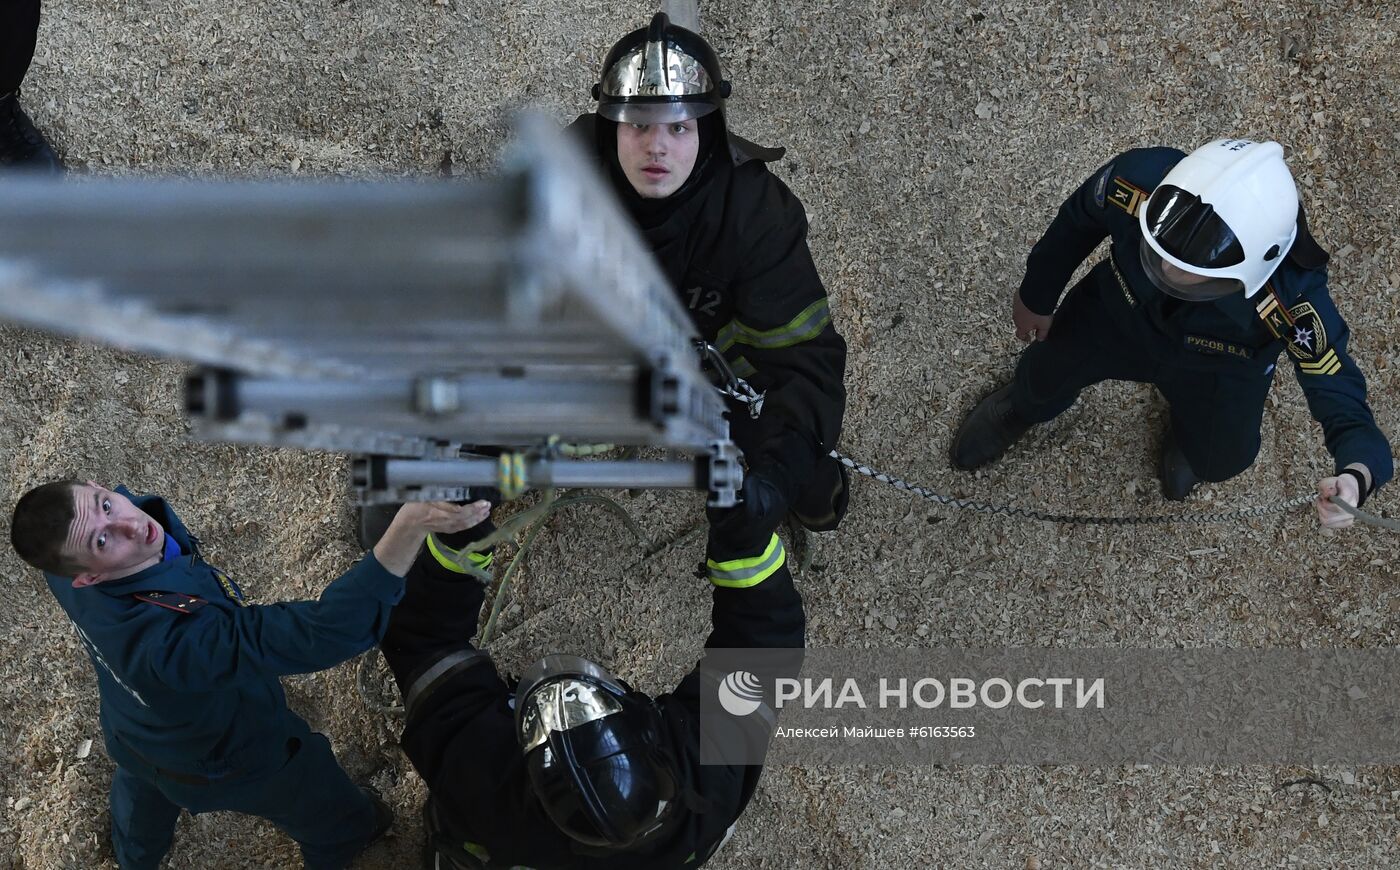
x: 931, y: 143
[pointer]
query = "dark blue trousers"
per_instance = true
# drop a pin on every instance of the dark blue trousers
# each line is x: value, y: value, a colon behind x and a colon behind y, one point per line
x: 310, y: 798
x: 1216, y: 415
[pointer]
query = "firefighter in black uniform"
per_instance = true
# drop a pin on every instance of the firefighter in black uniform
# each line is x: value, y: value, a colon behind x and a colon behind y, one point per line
x: 22, y: 146
x: 568, y: 766
x: 732, y: 239
x: 1212, y: 274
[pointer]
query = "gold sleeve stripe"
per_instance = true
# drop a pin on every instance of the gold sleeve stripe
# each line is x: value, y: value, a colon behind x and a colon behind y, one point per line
x: 1327, y: 365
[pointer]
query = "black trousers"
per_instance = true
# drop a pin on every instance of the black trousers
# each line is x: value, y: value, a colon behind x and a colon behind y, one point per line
x: 19, y: 29
x: 823, y: 495
x: 1215, y: 415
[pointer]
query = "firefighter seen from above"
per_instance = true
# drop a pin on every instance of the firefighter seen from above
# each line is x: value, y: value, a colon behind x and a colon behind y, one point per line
x: 732, y: 240
x: 1211, y: 276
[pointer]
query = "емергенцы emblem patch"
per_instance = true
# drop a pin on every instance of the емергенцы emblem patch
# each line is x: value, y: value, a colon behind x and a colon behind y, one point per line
x: 1303, y: 333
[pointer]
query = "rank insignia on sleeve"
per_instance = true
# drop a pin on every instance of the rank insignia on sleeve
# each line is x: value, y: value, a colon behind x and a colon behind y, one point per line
x: 1101, y: 186
x: 1126, y: 195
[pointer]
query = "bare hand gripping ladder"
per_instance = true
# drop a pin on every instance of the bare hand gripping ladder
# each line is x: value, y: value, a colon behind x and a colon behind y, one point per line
x: 399, y: 319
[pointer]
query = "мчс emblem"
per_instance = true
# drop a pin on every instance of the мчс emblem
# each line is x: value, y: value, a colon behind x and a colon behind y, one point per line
x: 1303, y: 338
x: 1301, y: 330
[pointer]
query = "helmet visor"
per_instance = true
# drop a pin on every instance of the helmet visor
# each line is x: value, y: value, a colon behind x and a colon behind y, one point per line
x: 1189, y: 229
x: 1181, y: 284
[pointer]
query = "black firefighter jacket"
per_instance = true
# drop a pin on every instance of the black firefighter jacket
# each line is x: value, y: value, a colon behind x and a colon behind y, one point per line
x: 736, y: 252
x: 461, y: 737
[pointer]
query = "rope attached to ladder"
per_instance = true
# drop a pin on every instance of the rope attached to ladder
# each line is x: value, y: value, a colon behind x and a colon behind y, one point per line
x: 1091, y: 520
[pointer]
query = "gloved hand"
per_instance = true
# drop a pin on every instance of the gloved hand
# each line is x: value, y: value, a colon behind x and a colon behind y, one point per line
x: 765, y: 503
x: 749, y: 524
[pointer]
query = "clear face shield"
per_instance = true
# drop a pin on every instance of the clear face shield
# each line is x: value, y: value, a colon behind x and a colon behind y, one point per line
x: 665, y: 112
x: 1182, y: 284
x: 1187, y: 250
x: 561, y: 692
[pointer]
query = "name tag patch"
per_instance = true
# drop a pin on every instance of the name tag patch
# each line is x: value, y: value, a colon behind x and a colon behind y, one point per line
x: 1206, y: 344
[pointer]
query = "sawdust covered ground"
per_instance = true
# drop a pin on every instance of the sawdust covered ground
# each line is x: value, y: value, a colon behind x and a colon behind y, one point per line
x: 931, y: 143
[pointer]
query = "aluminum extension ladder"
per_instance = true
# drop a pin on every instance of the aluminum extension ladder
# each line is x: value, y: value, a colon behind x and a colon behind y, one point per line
x: 403, y: 320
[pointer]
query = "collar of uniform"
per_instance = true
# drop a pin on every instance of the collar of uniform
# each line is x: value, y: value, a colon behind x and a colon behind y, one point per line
x: 741, y: 150
x: 161, y: 575
x: 1240, y: 309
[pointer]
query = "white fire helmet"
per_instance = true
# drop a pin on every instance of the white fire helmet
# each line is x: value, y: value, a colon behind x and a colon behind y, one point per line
x: 1225, y: 216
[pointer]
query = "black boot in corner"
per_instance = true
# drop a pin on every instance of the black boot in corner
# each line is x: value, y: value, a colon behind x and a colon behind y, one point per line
x: 1174, y: 471
x: 22, y: 146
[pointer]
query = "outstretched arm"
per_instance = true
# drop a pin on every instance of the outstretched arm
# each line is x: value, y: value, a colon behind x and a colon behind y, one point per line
x: 216, y: 645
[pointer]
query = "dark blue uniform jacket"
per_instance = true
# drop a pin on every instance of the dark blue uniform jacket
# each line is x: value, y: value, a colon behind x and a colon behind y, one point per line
x: 195, y: 690
x: 1233, y: 335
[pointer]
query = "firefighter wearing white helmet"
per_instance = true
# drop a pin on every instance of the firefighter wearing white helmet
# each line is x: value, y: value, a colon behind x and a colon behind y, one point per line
x: 1210, y: 277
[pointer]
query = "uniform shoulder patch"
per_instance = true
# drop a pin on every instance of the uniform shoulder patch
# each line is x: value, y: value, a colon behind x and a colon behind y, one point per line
x: 176, y: 601
x: 230, y: 589
x: 1126, y: 195
x: 1101, y: 186
x: 1302, y: 331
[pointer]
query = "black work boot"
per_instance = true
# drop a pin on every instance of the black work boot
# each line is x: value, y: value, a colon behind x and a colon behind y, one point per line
x: 988, y: 432
x: 1174, y: 471
x: 22, y: 146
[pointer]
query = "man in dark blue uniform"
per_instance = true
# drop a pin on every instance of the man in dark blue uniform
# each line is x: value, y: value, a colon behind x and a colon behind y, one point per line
x: 192, y: 711
x: 22, y: 146
x: 568, y: 767
x: 1212, y: 274
x: 732, y: 239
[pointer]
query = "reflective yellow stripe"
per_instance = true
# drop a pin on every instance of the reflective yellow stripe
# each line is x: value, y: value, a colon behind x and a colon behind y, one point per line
x: 804, y: 327
x: 742, y: 367
x: 743, y: 573
x: 451, y: 559
x: 476, y: 850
